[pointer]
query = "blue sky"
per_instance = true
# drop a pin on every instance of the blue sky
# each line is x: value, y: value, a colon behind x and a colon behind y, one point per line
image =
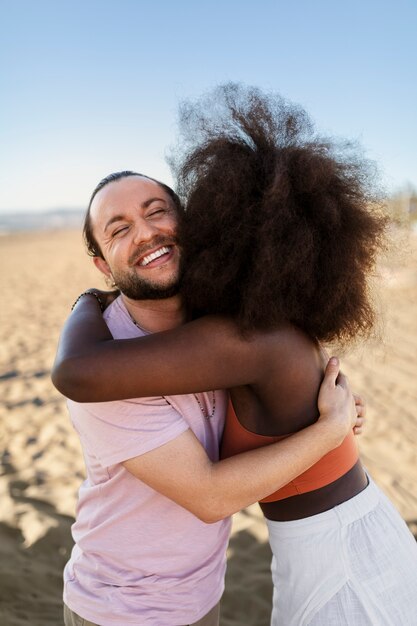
x: 92, y: 86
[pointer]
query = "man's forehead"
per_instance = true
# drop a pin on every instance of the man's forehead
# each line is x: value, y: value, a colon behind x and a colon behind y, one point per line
x: 125, y: 194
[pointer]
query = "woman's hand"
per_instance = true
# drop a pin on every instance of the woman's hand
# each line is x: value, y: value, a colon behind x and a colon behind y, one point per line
x: 104, y: 298
x: 107, y: 297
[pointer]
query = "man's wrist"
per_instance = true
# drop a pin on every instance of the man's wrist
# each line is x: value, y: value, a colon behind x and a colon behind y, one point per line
x: 330, y: 430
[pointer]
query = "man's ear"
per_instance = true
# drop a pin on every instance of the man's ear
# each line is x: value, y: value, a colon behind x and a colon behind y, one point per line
x: 102, y: 266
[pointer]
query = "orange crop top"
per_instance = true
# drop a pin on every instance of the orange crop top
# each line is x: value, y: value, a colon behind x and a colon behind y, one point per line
x: 236, y: 438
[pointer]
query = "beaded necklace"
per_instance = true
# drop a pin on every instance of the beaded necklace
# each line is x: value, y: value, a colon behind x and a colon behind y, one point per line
x: 213, y: 405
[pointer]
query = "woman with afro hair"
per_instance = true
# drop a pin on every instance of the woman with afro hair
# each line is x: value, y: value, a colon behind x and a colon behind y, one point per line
x: 280, y: 235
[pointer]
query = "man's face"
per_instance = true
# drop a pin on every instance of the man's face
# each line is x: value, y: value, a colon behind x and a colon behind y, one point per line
x: 134, y: 222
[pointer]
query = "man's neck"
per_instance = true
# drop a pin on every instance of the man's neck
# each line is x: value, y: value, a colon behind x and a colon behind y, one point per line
x: 156, y: 315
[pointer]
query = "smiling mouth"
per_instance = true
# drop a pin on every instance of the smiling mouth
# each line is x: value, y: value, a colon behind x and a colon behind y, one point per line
x: 154, y: 255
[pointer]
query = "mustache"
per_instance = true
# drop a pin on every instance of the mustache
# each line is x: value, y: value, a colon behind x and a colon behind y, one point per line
x: 157, y: 242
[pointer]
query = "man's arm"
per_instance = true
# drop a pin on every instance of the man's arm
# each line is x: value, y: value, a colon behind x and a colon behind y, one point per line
x: 181, y: 470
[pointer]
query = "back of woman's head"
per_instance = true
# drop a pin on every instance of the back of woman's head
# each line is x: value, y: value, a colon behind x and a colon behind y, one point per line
x: 281, y: 226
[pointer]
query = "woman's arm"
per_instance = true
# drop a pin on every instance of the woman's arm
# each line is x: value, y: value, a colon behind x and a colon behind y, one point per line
x: 205, y: 354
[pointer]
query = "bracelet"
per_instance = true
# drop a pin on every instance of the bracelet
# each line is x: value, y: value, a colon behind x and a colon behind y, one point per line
x: 89, y: 293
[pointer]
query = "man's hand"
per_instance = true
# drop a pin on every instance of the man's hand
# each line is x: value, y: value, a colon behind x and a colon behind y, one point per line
x: 336, y: 402
x: 360, y: 413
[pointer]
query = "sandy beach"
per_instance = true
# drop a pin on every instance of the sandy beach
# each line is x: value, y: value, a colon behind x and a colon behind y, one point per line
x: 41, y: 461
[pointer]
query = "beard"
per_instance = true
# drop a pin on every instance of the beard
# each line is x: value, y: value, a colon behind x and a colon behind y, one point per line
x: 137, y: 288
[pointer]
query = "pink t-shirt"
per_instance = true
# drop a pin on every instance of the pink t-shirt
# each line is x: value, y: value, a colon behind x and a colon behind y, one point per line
x: 139, y: 558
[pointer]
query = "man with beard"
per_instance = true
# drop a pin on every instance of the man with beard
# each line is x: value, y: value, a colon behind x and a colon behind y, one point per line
x: 152, y: 520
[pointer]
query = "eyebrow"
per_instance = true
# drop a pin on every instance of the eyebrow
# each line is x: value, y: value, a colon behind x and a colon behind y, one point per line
x: 144, y: 205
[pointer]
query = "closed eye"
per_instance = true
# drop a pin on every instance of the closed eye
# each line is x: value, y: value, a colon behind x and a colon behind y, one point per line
x: 119, y: 230
x: 157, y: 212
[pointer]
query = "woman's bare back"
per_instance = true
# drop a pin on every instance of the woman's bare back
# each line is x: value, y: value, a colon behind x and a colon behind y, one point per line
x: 283, y: 401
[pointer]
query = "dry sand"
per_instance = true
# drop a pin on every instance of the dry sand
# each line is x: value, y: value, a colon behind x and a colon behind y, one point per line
x: 42, y: 465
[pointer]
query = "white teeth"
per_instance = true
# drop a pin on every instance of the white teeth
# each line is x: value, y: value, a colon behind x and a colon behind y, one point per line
x: 154, y: 255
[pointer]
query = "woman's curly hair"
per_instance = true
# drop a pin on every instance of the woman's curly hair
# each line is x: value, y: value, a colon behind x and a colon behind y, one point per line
x: 281, y: 225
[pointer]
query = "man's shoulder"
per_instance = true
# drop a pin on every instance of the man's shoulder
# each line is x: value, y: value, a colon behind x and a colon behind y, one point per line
x: 134, y: 406
x: 119, y: 321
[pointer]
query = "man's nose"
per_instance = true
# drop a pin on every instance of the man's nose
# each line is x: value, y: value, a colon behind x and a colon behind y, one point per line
x: 144, y: 231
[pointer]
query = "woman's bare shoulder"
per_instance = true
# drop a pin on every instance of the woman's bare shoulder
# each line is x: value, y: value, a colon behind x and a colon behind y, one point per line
x: 292, y: 358
x: 288, y: 341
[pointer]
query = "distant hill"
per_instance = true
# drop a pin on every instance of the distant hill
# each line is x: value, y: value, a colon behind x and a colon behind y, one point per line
x: 42, y: 220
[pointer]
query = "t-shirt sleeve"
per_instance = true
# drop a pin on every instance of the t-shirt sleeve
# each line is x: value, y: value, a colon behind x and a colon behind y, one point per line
x: 116, y: 431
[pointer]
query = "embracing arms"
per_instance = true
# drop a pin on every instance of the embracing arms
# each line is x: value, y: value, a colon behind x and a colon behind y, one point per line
x: 205, y: 354
x: 95, y: 368
x: 182, y: 471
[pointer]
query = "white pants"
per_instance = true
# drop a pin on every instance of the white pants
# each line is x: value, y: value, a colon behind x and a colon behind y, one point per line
x: 355, y: 565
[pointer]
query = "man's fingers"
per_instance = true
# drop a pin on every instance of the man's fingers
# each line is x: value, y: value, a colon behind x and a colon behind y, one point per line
x: 358, y: 428
x: 333, y: 375
x: 360, y: 405
x: 332, y: 371
x: 342, y: 380
x: 360, y: 410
